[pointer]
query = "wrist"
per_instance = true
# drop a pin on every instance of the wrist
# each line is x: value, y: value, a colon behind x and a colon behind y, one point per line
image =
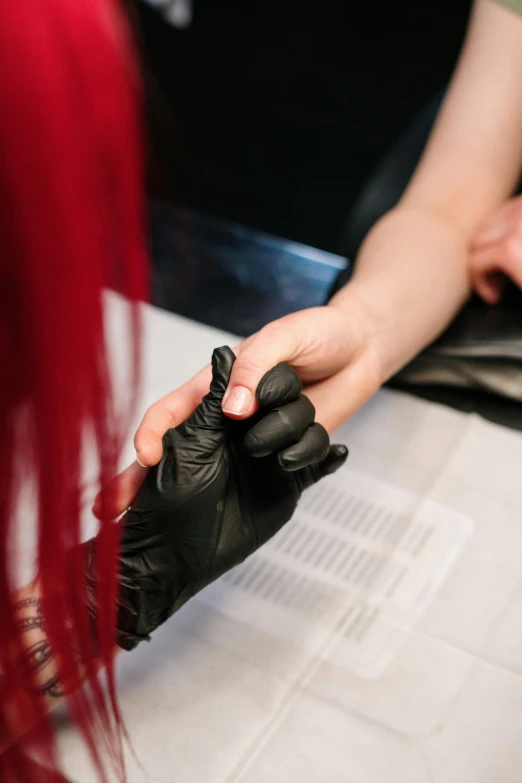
x: 410, y: 280
x: 125, y: 638
x: 365, y: 322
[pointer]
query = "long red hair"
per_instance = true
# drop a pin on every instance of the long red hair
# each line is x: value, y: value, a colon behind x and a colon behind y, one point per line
x: 71, y: 225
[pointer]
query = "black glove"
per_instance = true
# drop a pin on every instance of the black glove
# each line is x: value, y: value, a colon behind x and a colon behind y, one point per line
x: 221, y: 490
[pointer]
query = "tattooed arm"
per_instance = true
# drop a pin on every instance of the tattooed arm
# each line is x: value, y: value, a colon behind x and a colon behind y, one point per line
x: 37, y: 657
x: 37, y: 660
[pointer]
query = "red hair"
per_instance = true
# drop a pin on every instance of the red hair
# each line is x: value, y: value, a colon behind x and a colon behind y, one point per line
x: 71, y: 225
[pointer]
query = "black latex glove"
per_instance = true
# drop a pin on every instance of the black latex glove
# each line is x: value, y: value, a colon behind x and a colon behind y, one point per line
x: 221, y: 490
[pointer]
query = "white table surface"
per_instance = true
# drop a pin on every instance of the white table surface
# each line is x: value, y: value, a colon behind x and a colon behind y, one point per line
x: 214, y: 700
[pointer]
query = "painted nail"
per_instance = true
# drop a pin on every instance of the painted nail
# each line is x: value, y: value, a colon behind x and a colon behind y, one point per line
x: 238, y: 401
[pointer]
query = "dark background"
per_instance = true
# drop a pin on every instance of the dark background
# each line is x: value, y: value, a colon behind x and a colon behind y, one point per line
x: 273, y: 115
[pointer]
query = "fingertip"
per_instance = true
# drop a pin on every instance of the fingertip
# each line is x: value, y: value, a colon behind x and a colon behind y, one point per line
x: 335, y: 458
x: 148, y: 445
x: 149, y: 454
x: 103, y: 504
x: 284, y: 427
x: 278, y: 386
x: 289, y: 464
x: 491, y: 298
x: 222, y: 362
x: 340, y: 450
x: 118, y: 494
x: 255, y: 446
x: 311, y: 449
x: 111, y: 511
x: 489, y: 292
x: 238, y: 402
x: 223, y: 353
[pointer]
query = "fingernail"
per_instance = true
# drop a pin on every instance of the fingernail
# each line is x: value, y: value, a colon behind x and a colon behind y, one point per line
x: 138, y: 461
x: 238, y: 401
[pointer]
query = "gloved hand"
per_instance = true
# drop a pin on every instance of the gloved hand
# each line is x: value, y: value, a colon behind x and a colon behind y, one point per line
x: 221, y: 489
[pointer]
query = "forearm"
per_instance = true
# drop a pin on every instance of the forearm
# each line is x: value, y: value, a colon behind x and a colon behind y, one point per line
x: 410, y: 280
x: 37, y: 662
x: 411, y: 275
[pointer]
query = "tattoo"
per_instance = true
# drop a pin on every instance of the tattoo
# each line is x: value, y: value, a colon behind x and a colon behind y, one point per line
x: 38, y: 656
x: 30, y: 623
x: 55, y: 687
x: 33, y: 621
x: 28, y: 602
x: 34, y: 660
x: 52, y: 688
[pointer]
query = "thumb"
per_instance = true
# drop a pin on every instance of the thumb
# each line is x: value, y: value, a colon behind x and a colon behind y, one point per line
x: 209, y: 414
x: 261, y: 353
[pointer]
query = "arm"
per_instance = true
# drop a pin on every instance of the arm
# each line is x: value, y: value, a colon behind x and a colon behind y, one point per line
x: 411, y: 275
x: 36, y: 657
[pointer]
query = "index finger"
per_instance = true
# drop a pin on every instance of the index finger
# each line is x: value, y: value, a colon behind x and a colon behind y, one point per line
x: 167, y: 412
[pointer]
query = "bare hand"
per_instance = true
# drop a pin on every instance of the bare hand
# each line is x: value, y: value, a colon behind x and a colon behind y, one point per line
x: 496, y: 251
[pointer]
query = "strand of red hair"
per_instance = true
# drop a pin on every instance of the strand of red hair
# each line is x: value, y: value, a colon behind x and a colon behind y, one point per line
x: 71, y: 226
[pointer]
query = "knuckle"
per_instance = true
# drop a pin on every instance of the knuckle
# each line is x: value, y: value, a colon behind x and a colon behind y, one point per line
x: 245, y: 369
x: 285, y: 333
x: 248, y: 364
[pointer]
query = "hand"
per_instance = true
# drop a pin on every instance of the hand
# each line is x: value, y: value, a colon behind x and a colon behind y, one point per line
x: 221, y: 489
x: 326, y: 346
x: 496, y: 251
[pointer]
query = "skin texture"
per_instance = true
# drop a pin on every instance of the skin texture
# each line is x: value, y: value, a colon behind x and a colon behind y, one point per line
x: 221, y: 490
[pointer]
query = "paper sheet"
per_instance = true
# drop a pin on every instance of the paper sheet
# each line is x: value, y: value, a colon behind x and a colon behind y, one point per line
x: 351, y: 573
x: 225, y: 694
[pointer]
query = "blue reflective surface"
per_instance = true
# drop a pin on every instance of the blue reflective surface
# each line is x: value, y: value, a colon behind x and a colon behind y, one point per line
x: 231, y: 277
